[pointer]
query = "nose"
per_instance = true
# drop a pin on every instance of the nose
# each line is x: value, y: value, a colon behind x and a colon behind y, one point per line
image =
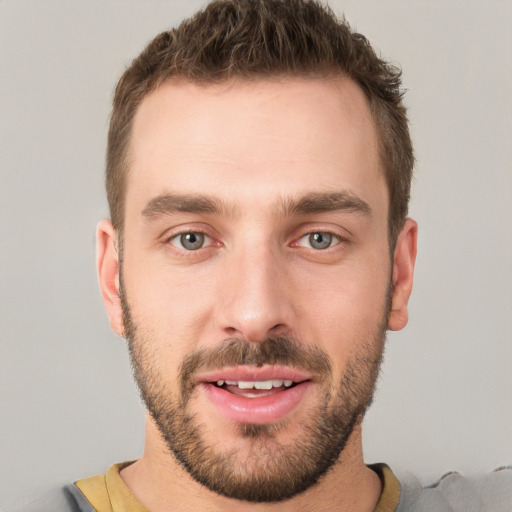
x: 254, y: 296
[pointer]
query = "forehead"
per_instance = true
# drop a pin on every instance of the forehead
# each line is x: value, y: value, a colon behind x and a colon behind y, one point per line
x: 251, y: 141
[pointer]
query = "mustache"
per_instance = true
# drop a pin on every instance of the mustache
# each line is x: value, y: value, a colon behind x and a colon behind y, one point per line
x: 281, y: 350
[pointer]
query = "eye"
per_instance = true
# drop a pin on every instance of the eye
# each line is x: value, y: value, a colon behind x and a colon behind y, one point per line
x: 191, y: 241
x: 319, y: 240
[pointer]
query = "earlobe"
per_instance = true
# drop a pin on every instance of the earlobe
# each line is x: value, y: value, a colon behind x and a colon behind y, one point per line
x: 403, y: 273
x: 107, y: 261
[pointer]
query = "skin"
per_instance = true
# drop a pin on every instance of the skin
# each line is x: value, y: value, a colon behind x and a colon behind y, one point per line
x: 255, y: 147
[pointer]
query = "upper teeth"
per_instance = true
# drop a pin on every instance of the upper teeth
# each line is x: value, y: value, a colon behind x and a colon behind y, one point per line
x: 262, y: 384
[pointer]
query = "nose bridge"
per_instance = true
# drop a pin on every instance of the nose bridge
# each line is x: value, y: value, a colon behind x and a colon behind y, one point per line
x: 254, y: 302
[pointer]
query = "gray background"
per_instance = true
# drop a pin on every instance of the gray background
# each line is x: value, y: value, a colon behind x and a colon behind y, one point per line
x: 68, y: 406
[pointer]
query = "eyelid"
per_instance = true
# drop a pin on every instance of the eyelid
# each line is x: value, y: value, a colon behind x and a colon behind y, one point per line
x: 177, y: 231
x: 337, y: 239
x: 207, y: 240
x: 341, y: 234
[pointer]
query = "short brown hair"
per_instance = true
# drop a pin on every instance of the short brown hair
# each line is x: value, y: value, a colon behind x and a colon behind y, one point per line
x: 251, y: 39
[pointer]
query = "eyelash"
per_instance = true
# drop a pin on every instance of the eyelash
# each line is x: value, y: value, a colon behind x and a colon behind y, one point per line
x: 336, y: 240
x: 177, y: 236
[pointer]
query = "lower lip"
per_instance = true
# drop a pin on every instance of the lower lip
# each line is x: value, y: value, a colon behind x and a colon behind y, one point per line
x: 260, y: 410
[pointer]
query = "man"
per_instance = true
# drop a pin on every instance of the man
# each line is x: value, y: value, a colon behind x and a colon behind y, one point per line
x: 258, y: 177
x: 258, y: 173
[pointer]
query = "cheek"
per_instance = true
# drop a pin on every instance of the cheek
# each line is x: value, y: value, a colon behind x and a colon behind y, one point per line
x: 347, y: 310
x: 172, y: 304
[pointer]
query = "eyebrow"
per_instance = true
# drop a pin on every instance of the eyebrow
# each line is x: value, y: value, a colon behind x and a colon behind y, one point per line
x: 166, y: 204
x: 325, y: 202
x: 313, y: 203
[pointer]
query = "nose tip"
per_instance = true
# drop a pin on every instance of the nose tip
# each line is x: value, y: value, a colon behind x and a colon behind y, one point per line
x: 253, y: 326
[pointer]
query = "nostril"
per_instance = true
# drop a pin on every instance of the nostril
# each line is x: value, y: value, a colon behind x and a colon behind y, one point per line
x: 277, y: 328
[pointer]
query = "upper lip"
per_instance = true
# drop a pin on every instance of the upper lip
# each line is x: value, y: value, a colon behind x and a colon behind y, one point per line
x: 254, y: 373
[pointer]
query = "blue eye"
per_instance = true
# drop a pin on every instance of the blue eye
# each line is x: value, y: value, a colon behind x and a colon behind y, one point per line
x: 191, y: 241
x: 319, y: 240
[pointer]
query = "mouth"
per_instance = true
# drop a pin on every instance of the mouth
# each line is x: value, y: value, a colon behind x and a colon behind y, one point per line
x: 255, y: 389
x: 255, y: 395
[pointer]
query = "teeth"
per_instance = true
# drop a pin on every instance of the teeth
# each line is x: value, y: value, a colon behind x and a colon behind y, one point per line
x: 263, y: 384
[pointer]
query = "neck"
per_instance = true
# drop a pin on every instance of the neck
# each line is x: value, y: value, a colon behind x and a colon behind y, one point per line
x: 162, y: 485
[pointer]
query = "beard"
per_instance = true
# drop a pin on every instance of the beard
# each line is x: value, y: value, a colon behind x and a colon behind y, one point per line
x: 268, y: 470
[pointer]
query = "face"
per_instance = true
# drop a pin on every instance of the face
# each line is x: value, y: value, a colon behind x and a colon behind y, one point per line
x: 256, y: 281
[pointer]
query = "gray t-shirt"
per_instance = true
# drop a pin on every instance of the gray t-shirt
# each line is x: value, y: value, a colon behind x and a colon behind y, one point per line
x: 452, y: 493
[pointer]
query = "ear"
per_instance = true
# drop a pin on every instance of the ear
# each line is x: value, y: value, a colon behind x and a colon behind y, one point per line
x: 403, y: 272
x: 107, y: 261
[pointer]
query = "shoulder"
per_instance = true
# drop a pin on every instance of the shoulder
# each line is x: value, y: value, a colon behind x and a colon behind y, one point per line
x: 457, y: 493
x: 63, y: 499
x: 95, y: 493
